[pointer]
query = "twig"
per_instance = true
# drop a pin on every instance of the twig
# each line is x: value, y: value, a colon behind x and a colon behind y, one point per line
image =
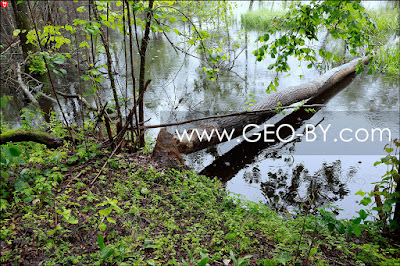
x: 79, y: 97
x: 78, y: 175
x: 102, y: 168
x: 231, y: 114
x: 11, y: 45
x: 55, y: 214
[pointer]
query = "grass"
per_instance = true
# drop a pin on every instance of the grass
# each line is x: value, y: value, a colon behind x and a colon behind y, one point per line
x: 385, y: 19
x: 261, y: 19
x: 136, y: 214
x: 388, y: 54
x: 388, y: 59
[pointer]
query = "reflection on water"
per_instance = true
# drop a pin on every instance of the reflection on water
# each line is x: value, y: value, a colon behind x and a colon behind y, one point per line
x: 282, y: 188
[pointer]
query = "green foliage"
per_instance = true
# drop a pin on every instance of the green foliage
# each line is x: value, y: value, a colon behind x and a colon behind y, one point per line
x: 105, y: 213
x: 343, y: 20
x: 49, y: 35
x: 386, y: 21
x: 37, y: 65
x: 240, y: 261
x: 4, y: 100
x: 347, y: 228
x: 386, y: 194
x: 163, y: 217
x: 388, y: 59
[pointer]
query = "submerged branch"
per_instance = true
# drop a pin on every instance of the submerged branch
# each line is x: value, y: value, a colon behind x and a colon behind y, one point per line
x: 25, y: 88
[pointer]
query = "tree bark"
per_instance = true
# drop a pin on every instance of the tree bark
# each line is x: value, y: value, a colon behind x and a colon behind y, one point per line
x: 35, y: 136
x: 285, y: 97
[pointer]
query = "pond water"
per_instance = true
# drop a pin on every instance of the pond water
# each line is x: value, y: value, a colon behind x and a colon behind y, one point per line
x: 280, y: 174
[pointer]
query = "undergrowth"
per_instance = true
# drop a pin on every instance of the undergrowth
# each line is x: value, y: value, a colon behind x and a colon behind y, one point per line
x: 54, y: 211
x: 134, y: 214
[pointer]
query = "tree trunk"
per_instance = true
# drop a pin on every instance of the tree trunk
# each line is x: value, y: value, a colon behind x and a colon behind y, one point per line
x: 109, y: 67
x: 35, y: 136
x: 143, y: 49
x: 285, y: 97
x: 21, y: 20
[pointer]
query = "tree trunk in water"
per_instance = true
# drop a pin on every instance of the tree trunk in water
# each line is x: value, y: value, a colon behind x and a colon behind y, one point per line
x: 143, y: 49
x: 285, y: 97
x: 21, y: 20
x: 35, y: 136
x: 109, y: 68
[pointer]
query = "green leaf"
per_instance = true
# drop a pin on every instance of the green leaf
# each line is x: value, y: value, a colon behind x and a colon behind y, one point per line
x: 203, y: 262
x: 365, y: 201
x: 100, y: 240
x: 309, y: 66
x: 356, y: 230
x: 16, y: 32
x: 83, y: 44
x: 105, y: 212
x: 102, y: 226
x: 172, y: 19
x: 340, y: 227
x: 71, y: 220
x: 361, y: 193
x: 387, y: 207
x: 51, y: 232
x: 145, y: 191
x: 230, y: 236
x: 4, y: 175
x: 312, y: 251
x: 111, y: 220
x: 81, y: 9
x: 59, y: 60
x: 356, y: 221
x: 106, y: 252
x: 14, y: 152
x: 363, y: 214
x: 3, y: 101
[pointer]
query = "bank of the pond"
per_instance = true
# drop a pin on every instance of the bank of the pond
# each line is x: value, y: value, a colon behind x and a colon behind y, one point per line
x: 137, y: 212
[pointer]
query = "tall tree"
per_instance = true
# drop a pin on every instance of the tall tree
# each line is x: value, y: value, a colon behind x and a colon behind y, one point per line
x: 21, y: 20
x: 142, y: 69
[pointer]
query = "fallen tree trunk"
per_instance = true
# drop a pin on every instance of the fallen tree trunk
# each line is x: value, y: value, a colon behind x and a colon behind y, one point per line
x: 230, y: 163
x: 285, y: 97
x: 35, y: 136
